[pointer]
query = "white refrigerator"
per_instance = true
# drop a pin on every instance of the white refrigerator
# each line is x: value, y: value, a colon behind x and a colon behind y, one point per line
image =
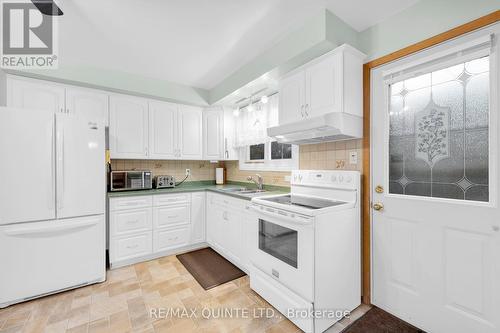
x: 52, y: 203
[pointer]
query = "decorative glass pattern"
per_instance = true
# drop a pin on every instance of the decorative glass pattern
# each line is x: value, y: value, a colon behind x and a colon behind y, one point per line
x: 438, y: 135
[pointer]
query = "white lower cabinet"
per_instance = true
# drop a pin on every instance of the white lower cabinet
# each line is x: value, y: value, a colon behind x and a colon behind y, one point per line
x: 227, y: 220
x: 131, y: 221
x: 198, y: 220
x: 131, y: 246
x: 148, y: 226
x: 168, y: 239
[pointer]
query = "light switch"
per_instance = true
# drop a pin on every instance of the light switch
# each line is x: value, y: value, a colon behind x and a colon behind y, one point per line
x: 353, y: 157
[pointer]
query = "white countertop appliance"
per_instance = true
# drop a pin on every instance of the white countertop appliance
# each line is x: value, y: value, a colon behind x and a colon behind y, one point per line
x: 307, y: 248
x: 52, y: 203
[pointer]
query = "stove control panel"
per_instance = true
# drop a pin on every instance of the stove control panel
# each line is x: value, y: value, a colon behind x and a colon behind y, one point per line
x: 326, y: 178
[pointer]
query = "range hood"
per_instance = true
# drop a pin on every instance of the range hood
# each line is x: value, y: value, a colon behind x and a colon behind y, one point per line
x: 334, y: 126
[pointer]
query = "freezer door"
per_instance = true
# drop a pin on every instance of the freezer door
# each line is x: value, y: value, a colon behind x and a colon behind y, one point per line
x: 27, y: 168
x: 81, y: 172
x: 44, y: 257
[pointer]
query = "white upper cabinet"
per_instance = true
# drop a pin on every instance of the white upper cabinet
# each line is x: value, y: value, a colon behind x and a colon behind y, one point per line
x: 218, y: 134
x: 128, y: 127
x: 213, y: 133
x: 87, y: 102
x: 292, y: 98
x: 163, y: 142
x: 330, y: 83
x: 35, y: 94
x: 323, y: 86
x: 190, y: 132
x: 229, y: 151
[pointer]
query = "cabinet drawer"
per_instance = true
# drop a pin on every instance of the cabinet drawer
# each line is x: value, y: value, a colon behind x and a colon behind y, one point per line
x: 166, y: 216
x: 227, y: 202
x: 166, y: 239
x: 130, y: 202
x: 131, y: 220
x: 167, y: 199
x: 132, y: 246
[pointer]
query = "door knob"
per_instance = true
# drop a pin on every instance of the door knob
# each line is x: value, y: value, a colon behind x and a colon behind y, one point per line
x: 378, y: 206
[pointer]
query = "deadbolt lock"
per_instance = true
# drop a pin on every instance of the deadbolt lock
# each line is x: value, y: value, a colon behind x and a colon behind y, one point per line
x: 379, y: 189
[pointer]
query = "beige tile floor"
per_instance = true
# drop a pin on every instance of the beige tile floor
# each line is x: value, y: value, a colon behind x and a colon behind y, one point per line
x: 123, y: 304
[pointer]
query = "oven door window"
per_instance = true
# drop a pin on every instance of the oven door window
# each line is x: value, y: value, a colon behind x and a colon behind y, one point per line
x: 278, y: 241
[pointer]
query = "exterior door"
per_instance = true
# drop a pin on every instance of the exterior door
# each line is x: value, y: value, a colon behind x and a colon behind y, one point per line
x: 128, y: 127
x: 435, y: 216
x: 81, y: 173
x: 87, y: 103
x: 190, y: 136
x: 163, y: 130
x: 34, y: 94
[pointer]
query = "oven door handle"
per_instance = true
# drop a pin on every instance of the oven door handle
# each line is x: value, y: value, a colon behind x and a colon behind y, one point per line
x: 275, y: 213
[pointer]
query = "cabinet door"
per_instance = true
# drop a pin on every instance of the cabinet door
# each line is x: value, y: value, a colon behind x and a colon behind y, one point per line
x: 198, y: 217
x: 231, y: 241
x: 128, y: 127
x: 213, y: 211
x: 88, y: 103
x: 213, y: 133
x: 190, y: 132
x: 162, y: 130
x: 292, y: 98
x: 34, y: 94
x: 229, y: 152
x: 324, y: 86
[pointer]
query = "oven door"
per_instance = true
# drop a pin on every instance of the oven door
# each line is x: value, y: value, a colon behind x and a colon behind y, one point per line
x: 283, y: 248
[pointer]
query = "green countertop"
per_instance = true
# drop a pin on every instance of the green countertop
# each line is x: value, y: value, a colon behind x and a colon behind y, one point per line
x: 197, y: 186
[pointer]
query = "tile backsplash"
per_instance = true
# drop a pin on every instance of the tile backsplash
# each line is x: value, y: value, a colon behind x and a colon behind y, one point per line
x: 200, y: 170
x: 321, y: 156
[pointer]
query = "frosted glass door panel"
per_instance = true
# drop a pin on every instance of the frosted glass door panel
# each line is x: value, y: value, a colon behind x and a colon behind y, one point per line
x: 438, y: 134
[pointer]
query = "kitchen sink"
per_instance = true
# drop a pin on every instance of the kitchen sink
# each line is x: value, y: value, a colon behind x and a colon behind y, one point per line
x: 242, y: 190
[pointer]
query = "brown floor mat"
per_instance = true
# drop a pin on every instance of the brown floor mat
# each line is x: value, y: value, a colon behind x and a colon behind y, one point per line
x: 209, y: 268
x: 379, y: 321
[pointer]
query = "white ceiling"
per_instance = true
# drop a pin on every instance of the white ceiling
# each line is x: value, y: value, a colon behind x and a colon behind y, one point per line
x: 192, y: 42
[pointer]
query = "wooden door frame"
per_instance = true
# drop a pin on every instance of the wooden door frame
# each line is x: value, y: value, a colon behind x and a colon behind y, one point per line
x: 366, y: 210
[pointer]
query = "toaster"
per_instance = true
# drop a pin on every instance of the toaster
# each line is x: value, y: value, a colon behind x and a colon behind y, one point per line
x: 164, y: 181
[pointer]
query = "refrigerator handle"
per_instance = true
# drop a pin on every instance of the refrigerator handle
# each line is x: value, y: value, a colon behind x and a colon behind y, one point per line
x: 60, y: 167
x: 50, y: 230
x: 51, y: 197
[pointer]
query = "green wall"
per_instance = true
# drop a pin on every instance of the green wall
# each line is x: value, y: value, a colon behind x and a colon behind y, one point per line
x: 423, y: 20
x: 317, y: 36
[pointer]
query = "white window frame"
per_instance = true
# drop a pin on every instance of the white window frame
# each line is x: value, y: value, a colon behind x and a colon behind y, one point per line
x: 267, y: 164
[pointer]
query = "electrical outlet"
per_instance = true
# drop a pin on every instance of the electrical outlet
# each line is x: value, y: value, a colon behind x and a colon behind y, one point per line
x: 188, y: 172
x: 353, y: 157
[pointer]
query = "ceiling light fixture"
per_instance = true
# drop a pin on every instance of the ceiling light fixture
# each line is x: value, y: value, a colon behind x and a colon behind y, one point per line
x: 236, y: 112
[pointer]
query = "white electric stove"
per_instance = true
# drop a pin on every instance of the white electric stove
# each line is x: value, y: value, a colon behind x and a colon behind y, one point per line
x: 307, y: 248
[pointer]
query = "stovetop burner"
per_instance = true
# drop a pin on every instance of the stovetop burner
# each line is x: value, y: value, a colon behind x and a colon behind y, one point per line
x: 304, y: 201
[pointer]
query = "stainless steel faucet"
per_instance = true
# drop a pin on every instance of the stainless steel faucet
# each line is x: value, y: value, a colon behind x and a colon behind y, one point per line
x: 259, y: 182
